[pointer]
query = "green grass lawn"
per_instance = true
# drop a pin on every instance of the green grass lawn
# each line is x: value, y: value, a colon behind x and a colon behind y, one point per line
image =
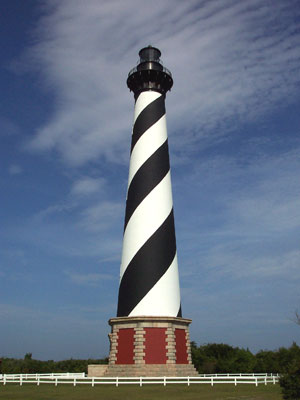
x: 147, y: 392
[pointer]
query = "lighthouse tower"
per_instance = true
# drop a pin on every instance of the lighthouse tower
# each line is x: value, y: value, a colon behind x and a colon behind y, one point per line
x: 149, y: 337
x: 149, y: 283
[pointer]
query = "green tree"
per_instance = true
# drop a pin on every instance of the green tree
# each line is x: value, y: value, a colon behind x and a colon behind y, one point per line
x: 290, y: 383
x: 31, y: 366
x: 221, y: 358
x: 290, y: 379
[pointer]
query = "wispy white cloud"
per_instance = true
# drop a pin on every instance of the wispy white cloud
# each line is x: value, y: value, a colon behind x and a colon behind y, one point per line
x: 231, y: 61
x: 14, y: 169
x: 66, y: 230
x: 87, y: 221
x: 234, y: 263
x: 101, y: 216
x: 88, y: 279
x: 86, y: 186
x: 241, y: 219
x: 10, y: 310
x: 54, y: 210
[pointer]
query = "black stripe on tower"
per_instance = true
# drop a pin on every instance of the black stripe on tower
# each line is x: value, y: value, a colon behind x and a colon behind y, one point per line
x: 148, y: 117
x: 147, y: 267
x: 147, y: 178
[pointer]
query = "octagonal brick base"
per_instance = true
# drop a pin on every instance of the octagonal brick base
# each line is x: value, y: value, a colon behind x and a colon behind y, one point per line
x: 150, y: 346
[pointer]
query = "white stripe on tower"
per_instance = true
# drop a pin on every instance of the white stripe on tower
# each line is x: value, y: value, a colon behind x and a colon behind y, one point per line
x: 149, y: 283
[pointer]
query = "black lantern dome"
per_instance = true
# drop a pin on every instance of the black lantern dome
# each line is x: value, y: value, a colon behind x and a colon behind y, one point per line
x: 149, y: 74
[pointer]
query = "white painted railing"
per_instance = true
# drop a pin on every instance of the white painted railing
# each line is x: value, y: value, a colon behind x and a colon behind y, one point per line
x: 46, y: 375
x: 242, y: 374
x: 78, y: 379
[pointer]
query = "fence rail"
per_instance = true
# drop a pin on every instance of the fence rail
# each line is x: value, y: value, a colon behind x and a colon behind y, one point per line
x: 48, y: 375
x: 79, y: 379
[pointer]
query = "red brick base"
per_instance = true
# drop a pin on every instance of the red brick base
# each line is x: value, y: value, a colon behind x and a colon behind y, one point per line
x: 150, y: 346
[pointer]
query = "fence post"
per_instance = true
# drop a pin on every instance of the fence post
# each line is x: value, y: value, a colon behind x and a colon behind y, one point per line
x: 117, y: 381
x: 74, y: 384
x: 234, y: 381
x: 38, y: 381
x: 212, y: 381
x: 165, y: 381
x: 20, y: 380
x: 265, y: 380
x: 93, y: 382
x: 188, y: 381
x: 4, y: 380
x: 141, y: 381
x: 255, y: 381
x: 56, y: 381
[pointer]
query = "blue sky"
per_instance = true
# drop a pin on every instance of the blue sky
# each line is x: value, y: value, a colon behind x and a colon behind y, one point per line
x: 65, y: 124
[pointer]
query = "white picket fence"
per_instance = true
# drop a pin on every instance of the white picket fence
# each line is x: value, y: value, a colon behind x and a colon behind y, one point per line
x: 80, y: 378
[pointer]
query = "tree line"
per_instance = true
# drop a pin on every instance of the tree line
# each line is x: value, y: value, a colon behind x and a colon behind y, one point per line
x: 221, y: 358
x: 209, y: 358
x: 28, y: 365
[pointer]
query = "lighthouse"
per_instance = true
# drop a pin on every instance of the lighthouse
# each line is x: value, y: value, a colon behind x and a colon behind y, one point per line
x: 149, y: 283
x: 149, y: 336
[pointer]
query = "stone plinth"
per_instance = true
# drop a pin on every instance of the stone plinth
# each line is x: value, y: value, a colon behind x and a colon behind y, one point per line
x: 97, y: 369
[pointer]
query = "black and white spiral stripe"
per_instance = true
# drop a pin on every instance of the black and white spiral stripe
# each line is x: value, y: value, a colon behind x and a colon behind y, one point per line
x: 149, y: 283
